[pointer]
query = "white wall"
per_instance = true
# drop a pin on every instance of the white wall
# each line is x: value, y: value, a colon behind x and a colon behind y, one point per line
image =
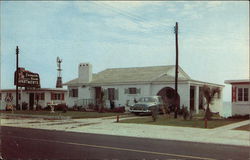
x: 84, y: 93
x: 25, y: 98
x: 217, y: 106
x: 240, y: 109
x: 122, y: 97
x: 71, y: 100
x: 148, y: 90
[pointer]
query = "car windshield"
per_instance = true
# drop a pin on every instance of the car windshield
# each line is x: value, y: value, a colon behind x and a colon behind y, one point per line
x: 147, y: 99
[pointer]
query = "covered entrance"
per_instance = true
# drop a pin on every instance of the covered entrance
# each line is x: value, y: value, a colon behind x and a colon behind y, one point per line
x: 170, y: 97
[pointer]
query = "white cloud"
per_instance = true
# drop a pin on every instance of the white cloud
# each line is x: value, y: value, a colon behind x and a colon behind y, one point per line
x: 214, y: 3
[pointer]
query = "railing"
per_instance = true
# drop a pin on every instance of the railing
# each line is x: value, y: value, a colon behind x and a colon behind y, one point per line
x: 85, y: 102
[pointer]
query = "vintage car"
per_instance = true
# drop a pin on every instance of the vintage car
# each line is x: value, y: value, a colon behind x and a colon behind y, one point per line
x: 145, y: 105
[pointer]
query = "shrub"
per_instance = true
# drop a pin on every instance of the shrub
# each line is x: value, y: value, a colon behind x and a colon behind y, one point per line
x: 47, y: 108
x: 38, y: 107
x: 24, y: 106
x: 185, y: 113
x: 119, y: 110
x: 154, y: 113
x: 61, y: 107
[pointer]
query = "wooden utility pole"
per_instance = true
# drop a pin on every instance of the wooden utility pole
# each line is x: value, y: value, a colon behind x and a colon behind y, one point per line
x: 176, y: 70
x: 176, y: 60
x: 17, y: 71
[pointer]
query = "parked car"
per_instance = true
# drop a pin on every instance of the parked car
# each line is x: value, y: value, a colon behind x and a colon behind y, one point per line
x: 145, y: 105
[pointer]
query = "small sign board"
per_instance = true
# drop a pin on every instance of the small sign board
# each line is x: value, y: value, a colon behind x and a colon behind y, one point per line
x: 27, y: 79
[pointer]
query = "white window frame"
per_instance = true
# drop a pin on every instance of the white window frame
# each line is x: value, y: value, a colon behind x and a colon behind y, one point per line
x: 242, y: 95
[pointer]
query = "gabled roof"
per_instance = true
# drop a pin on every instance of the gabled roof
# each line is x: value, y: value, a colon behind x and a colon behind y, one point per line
x: 238, y: 81
x: 134, y: 75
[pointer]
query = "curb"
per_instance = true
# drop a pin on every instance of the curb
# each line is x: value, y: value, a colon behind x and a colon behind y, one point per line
x: 37, y: 116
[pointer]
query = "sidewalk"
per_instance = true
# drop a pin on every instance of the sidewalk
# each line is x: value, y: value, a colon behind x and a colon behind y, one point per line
x: 109, y: 126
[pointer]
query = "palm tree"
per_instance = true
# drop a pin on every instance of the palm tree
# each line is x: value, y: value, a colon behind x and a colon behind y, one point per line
x: 209, y: 94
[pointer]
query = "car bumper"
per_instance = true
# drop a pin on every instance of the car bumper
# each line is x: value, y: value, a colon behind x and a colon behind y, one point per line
x: 139, y: 111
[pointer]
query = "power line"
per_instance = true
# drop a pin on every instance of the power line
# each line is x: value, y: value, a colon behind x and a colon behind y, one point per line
x: 139, y: 20
x: 135, y: 18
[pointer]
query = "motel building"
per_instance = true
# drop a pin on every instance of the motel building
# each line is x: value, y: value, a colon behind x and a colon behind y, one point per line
x: 124, y: 85
x: 240, y: 96
x: 40, y: 96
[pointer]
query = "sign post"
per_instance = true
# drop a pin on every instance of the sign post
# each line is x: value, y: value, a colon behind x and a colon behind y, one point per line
x: 16, y: 78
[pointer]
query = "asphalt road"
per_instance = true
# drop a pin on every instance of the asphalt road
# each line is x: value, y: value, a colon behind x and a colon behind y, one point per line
x: 25, y: 143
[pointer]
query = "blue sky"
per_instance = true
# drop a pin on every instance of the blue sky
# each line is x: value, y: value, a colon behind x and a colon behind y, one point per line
x: 213, y: 37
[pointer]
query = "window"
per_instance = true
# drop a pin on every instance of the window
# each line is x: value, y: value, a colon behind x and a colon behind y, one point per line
x: 245, y: 94
x: 73, y: 93
x: 39, y: 96
x: 132, y: 90
x: 57, y: 96
x: 112, y: 93
x: 240, y: 93
x: 42, y: 96
x: 9, y: 95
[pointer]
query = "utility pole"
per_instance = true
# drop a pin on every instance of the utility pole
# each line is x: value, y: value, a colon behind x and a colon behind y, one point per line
x: 17, y: 71
x: 176, y: 69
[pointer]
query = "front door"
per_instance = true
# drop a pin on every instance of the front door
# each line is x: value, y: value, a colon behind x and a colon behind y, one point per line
x: 31, y: 101
x: 98, y: 91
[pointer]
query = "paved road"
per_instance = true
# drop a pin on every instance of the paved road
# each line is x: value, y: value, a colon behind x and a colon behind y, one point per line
x: 44, y: 144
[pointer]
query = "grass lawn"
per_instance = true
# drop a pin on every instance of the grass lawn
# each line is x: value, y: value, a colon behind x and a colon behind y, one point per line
x: 73, y: 114
x: 244, y: 128
x: 166, y: 121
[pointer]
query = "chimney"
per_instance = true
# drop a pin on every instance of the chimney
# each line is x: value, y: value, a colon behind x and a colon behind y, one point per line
x: 85, y: 73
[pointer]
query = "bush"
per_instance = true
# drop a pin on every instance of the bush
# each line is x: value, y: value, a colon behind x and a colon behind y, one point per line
x: 185, y: 113
x: 9, y: 107
x: 47, y: 108
x: 61, y: 107
x: 154, y: 113
x: 247, y: 116
x: 118, y: 110
x: 24, y: 106
x: 38, y: 107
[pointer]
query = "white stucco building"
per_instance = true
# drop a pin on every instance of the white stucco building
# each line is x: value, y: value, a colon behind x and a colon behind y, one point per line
x: 240, y: 96
x: 43, y: 96
x: 123, y: 85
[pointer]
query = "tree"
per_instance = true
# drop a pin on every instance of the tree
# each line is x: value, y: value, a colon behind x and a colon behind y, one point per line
x: 154, y: 113
x: 209, y: 95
